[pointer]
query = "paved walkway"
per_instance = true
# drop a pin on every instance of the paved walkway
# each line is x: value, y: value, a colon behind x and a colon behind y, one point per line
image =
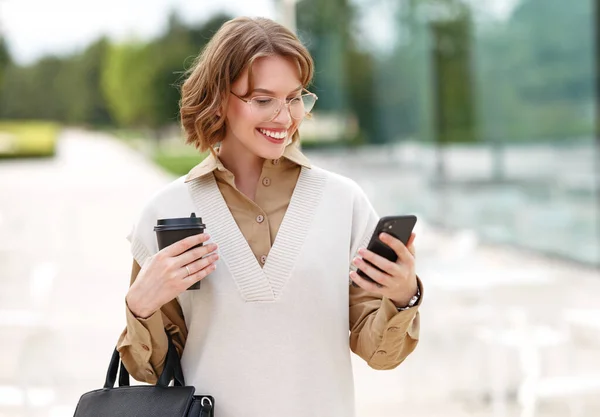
x: 64, y: 266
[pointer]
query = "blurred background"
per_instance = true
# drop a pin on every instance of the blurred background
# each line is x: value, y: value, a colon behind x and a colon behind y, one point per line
x: 479, y: 117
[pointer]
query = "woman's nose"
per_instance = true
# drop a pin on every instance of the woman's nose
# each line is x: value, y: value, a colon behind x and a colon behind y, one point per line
x: 283, y: 115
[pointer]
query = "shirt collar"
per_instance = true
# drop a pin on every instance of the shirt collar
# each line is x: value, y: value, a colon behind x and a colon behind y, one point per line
x: 210, y: 163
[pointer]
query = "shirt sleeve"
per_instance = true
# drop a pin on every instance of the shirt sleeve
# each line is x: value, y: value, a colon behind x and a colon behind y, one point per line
x: 143, y: 344
x: 379, y: 333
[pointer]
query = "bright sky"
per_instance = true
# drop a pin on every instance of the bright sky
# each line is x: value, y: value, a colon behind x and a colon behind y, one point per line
x: 33, y: 28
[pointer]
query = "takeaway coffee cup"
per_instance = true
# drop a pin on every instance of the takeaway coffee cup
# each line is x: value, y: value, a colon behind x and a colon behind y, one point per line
x: 169, y: 231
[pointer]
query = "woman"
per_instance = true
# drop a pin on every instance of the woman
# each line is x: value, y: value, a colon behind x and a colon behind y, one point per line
x: 267, y: 332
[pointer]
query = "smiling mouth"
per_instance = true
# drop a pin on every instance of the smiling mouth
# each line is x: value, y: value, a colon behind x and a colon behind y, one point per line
x: 274, y: 134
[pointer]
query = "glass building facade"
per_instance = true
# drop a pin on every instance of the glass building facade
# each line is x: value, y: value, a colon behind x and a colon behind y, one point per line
x: 494, y: 103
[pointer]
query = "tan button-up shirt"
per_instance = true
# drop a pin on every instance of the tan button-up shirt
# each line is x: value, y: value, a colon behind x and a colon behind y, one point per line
x: 379, y: 334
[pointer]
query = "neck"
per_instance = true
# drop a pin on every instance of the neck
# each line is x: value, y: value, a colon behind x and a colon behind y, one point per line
x: 243, y: 164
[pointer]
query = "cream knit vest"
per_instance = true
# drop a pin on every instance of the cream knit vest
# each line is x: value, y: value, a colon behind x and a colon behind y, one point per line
x: 271, y: 341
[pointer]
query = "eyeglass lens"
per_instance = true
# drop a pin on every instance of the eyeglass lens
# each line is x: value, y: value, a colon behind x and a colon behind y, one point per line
x: 268, y: 107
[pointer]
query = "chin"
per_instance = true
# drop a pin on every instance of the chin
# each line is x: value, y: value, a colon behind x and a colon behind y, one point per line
x: 269, y: 150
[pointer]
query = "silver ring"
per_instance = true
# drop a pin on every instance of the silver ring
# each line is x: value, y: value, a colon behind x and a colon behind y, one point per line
x: 188, y: 269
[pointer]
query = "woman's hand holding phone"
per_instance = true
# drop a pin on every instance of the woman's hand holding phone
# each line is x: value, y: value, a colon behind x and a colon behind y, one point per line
x: 394, y: 280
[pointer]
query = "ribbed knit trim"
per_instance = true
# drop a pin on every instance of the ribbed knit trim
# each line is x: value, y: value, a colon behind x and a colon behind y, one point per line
x: 294, y: 228
x: 256, y: 283
x: 236, y: 253
x: 139, y: 251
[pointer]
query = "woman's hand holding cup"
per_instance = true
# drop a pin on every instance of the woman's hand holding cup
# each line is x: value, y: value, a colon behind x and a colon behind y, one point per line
x: 169, y: 273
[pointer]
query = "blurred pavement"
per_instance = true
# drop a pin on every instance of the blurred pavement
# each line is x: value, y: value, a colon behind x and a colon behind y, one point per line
x: 495, y: 322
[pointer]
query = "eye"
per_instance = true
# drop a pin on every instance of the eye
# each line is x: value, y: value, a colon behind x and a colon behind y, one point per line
x: 294, y: 100
x: 262, y: 101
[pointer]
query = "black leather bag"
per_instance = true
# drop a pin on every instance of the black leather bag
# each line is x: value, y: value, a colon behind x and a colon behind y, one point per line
x: 160, y: 400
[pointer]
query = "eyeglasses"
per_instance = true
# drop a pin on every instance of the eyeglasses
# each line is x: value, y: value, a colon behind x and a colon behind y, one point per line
x: 266, y: 108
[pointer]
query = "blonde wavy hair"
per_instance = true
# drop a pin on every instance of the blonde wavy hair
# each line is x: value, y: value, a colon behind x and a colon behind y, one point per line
x: 232, y: 50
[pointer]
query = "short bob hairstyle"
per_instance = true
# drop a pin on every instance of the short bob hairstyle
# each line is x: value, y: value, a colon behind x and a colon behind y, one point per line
x: 233, y: 49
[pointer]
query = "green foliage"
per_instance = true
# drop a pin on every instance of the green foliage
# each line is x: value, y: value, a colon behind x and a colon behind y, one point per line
x: 131, y: 84
x: 91, y: 106
x: 31, y: 138
x: 178, y: 164
x: 5, y: 61
x: 344, y: 76
x: 141, y: 81
x: 536, y: 76
x: 62, y: 89
x: 453, y: 77
x: 126, y: 82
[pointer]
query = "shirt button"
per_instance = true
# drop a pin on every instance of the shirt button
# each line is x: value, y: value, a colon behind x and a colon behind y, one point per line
x: 145, y: 347
x: 381, y: 352
x: 266, y: 181
x: 393, y: 329
x: 263, y: 259
x: 149, y: 372
x: 260, y: 218
x: 275, y: 161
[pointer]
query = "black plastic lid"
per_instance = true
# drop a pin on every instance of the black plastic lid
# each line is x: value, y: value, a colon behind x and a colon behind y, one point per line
x: 191, y: 222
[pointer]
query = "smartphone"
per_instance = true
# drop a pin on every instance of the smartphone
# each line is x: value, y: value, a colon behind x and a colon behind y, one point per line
x: 400, y: 227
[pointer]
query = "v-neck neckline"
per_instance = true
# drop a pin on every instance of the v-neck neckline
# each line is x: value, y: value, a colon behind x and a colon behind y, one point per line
x: 254, y: 282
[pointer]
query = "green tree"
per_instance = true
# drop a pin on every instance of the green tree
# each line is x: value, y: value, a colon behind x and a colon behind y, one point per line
x: 93, y: 108
x: 5, y: 61
x: 127, y: 84
x: 33, y: 91
x: 537, y: 72
x: 65, y: 89
x: 201, y: 34
x: 452, y: 44
x: 344, y: 72
x: 325, y: 28
x: 141, y: 81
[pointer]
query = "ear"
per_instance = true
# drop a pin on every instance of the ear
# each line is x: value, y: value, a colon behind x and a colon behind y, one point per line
x: 222, y: 110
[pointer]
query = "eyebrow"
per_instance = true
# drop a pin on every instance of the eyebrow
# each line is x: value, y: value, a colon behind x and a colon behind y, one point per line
x: 264, y: 90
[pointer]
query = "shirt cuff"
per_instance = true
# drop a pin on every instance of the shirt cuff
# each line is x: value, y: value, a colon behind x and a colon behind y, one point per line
x: 402, y: 321
x: 140, y: 331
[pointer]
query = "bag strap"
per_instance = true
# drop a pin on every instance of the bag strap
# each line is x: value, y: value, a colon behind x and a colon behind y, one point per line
x: 173, y: 365
x: 171, y: 370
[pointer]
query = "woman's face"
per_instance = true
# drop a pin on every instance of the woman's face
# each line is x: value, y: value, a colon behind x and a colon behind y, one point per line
x: 276, y: 77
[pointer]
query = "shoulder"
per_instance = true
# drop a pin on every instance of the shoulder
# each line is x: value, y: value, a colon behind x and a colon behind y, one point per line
x: 339, y: 182
x: 166, y: 200
x: 171, y: 200
x: 173, y: 189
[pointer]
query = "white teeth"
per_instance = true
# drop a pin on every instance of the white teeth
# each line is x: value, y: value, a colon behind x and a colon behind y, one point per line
x: 276, y: 135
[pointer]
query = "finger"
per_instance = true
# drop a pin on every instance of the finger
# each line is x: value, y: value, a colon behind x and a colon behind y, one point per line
x: 391, y: 268
x: 411, y: 249
x: 190, y: 256
x: 372, y: 272
x: 199, y: 275
x: 202, y: 263
x: 181, y: 246
x: 397, y: 246
x: 411, y: 244
x: 364, y: 284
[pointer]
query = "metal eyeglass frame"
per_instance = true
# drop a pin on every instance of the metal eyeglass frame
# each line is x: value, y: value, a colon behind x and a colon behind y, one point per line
x: 281, y: 104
